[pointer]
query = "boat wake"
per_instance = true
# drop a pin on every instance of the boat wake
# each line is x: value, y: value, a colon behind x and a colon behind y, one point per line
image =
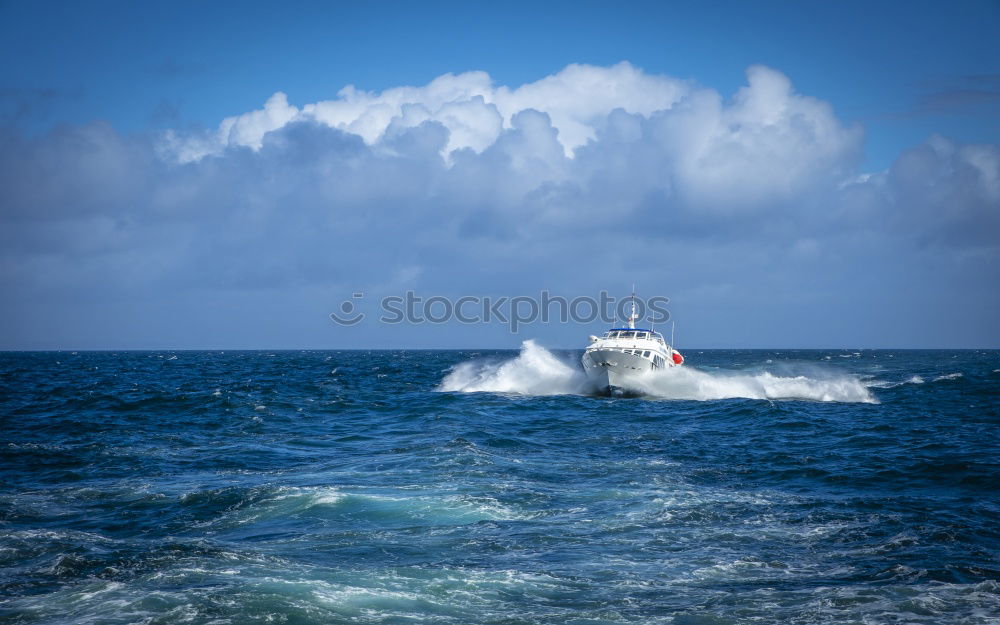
x: 537, y: 371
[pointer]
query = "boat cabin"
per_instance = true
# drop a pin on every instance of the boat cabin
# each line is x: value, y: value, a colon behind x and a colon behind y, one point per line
x: 633, y: 333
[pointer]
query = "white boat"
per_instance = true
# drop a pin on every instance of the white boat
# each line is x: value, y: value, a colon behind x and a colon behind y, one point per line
x: 617, y: 362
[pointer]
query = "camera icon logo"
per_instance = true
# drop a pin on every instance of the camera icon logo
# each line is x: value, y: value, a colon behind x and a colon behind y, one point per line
x: 347, y: 316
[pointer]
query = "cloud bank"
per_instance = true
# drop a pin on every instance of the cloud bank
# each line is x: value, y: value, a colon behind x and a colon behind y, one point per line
x: 591, y: 178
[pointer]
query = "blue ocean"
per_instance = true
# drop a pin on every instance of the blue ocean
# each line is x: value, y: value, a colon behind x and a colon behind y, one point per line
x: 467, y: 487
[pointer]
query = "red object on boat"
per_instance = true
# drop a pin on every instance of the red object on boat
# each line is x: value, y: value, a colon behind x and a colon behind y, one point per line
x: 678, y: 359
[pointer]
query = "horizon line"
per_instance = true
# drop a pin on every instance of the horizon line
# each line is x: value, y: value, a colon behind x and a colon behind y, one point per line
x: 459, y: 349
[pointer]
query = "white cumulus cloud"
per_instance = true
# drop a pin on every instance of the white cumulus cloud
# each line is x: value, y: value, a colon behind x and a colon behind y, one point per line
x: 767, y: 144
x: 469, y: 105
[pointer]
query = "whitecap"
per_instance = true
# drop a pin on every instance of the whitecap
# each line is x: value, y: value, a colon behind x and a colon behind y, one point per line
x: 915, y: 379
x: 950, y: 376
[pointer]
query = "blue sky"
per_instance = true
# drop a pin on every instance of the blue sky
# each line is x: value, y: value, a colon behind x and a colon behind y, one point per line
x: 848, y: 197
x: 139, y: 65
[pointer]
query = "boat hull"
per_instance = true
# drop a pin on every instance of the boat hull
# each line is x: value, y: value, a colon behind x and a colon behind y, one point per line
x: 615, y: 373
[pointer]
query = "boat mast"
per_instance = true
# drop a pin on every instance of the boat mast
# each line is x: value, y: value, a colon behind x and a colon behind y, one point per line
x: 633, y: 316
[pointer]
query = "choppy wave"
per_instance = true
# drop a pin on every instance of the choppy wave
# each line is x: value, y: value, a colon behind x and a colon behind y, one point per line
x: 536, y: 371
x: 428, y: 508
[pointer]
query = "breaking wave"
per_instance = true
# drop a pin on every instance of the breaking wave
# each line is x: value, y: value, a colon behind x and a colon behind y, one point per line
x: 536, y: 371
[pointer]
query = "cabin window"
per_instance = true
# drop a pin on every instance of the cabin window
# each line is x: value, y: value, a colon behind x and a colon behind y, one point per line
x: 645, y: 354
x: 642, y: 335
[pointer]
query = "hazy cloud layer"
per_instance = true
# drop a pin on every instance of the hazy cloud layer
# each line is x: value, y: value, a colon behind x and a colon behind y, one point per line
x: 977, y: 94
x: 594, y: 177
